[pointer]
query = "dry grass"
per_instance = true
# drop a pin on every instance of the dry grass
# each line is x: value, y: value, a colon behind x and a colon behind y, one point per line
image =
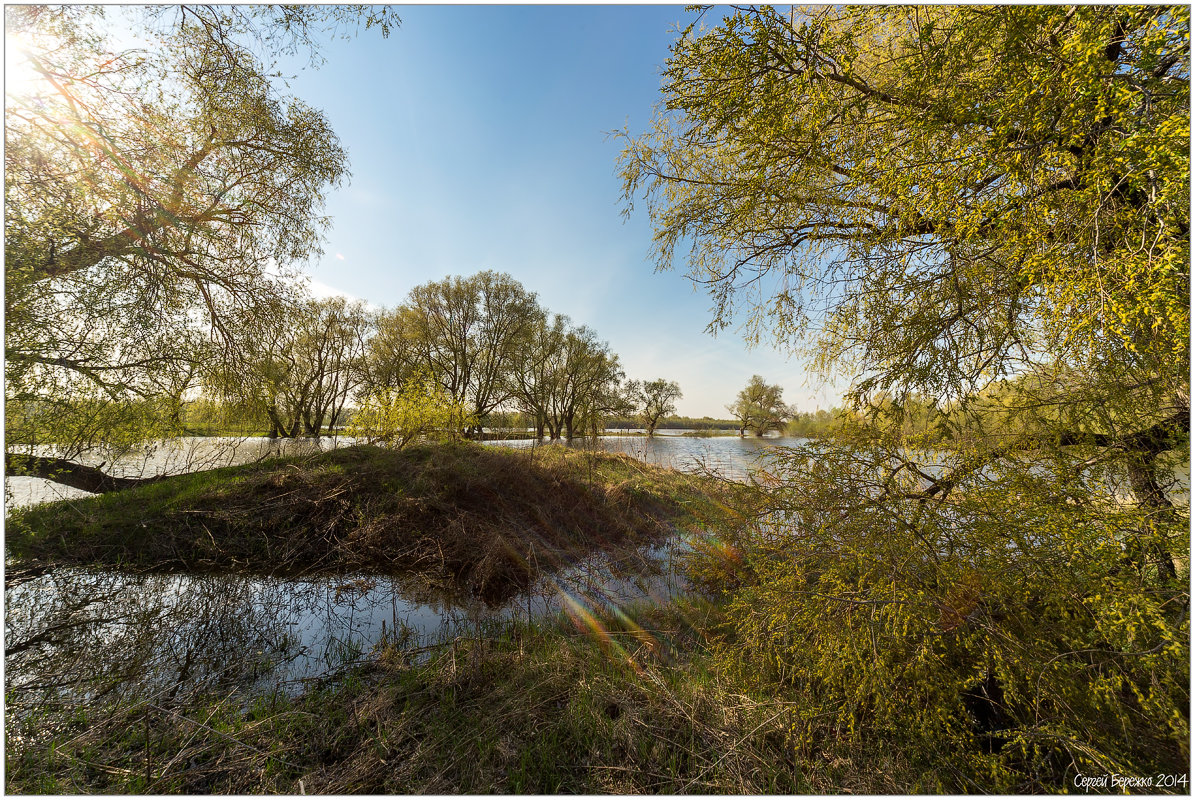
x: 534, y: 711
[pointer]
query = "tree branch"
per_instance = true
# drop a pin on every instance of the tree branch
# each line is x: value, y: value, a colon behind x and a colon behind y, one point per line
x: 69, y: 473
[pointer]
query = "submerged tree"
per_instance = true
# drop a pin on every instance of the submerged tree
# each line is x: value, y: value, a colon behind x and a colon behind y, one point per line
x: 536, y: 371
x: 943, y: 201
x: 589, y: 387
x: 465, y: 332
x: 760, y: 407
x: 150, y: 196
x: 299, y: 367
x: 565, y: 378
x: 654, y: 400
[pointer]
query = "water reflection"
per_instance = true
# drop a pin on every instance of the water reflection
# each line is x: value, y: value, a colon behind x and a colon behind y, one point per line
x: 76, y: 636
x: 729, y: 456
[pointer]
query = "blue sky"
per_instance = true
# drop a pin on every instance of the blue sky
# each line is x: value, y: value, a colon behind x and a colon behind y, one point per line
x: 478, y: 137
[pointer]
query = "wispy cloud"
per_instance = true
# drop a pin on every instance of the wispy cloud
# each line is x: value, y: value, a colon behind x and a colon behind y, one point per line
x: 340, y: 256
x: 320, y: 290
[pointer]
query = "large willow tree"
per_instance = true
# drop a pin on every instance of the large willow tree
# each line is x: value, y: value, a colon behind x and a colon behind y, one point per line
x: 154, y: 195
x: 988, y: 206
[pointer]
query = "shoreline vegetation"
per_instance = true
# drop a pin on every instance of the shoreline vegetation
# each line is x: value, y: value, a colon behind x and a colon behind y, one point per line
x: 647, y: 698
x: 528, y: 707
x: 650, y: 706
x: 672, y: 698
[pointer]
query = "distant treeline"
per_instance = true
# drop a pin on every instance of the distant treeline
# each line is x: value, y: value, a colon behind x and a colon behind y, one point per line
x: 674, y: 423
x: 208, y: 417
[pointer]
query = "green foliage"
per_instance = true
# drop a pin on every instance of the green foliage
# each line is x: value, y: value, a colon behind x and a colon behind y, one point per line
x: 206, y: 417
x: 488, y: 342
x: 146, y: 191
x: 420, y: 408
x: 673, y: 421
x: 1000, y: 632
x: 816, y: 425
x: 654, y: 399
x: 760, y: 407
x: 463, y: 331
x: 981, y: 215
x: 944, y: 194
x: 298, y: 365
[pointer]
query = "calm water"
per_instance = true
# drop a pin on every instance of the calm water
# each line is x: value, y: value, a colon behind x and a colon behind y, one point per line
x: 173, y: 457
x: 729, y: 454
x: 75, y: 634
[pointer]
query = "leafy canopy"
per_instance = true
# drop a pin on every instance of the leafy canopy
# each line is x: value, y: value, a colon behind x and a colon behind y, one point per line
x: 420, y: 408
x: 153, y: 198
x: 760, y: 406
x: 945, y: 195
x: 981, y: 211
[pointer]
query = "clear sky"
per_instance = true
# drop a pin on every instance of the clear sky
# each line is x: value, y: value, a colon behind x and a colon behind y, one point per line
x: 478, y: 137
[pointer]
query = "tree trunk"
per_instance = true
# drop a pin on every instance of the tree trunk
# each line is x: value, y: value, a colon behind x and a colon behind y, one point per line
x: 1143, y: 478
x: 68, y: 473
x: 276, y: 427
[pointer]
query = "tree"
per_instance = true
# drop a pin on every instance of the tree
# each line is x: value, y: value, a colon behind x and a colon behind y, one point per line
x: 760, y: 407
x: 654, y: 399
x: 332, y: 348
x: 565, y: 378
x: 588, y: 385
x: 150, y: 197
x: 944, y: 202
x: 536, y: 370
x: 820, y: 423
x: 465, y: 332
x: 953, y: 218
x: 389, y: 358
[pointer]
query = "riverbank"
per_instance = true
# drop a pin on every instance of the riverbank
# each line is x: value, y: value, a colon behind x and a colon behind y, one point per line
x: 476, y: 519
x: 646, y: 700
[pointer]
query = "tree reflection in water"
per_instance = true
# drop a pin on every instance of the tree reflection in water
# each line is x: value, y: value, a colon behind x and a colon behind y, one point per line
x: 78, y: 639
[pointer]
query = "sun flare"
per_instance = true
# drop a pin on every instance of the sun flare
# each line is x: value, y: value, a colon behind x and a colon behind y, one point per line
x: 21, y: 79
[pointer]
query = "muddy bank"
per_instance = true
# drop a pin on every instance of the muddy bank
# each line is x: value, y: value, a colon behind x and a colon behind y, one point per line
x: 482, y: 520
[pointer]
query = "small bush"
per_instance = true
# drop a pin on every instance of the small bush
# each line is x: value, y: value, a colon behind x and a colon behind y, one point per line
x: 420, y: 408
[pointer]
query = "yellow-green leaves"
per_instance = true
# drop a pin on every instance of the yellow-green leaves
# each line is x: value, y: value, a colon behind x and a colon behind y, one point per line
x: 1028, y: 166
x: 398, y: 416
x: 981, y: 214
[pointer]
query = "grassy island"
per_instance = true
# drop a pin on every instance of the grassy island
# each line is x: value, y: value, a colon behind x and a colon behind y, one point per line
x: 484, y: 520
